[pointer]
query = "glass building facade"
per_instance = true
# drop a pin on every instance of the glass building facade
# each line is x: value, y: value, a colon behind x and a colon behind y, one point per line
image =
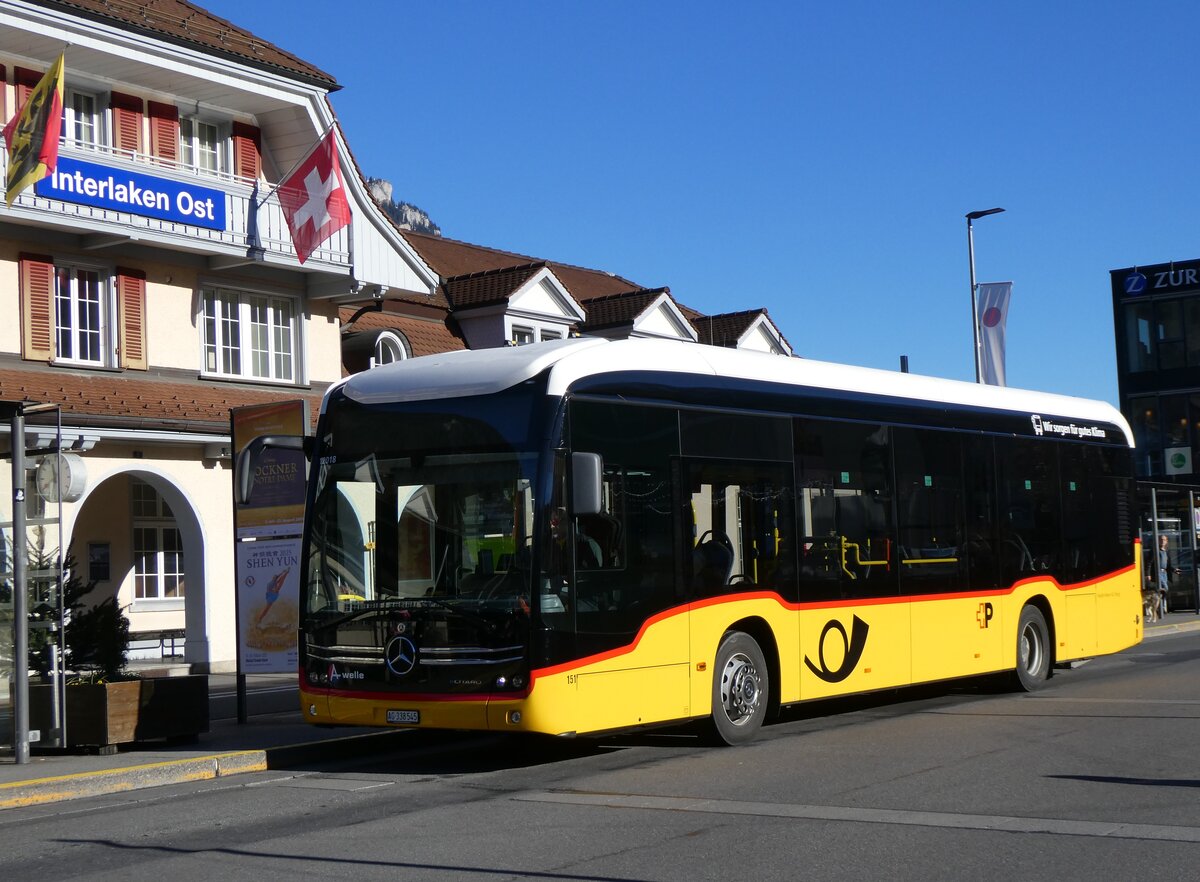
x: 1156, y: 315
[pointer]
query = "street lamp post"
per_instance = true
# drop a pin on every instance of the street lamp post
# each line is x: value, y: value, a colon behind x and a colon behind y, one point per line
x: 973, y: 216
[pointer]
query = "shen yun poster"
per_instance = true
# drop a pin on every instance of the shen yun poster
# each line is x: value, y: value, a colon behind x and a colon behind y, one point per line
x: 268, y: 597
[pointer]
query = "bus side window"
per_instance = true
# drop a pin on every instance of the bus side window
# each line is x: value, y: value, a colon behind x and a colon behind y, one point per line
x: 847, y: 535
x: 1030, y: 513
x: 983, y: 555
x: 741, y: 518
x: 930, y: 518
x: 633, y: 533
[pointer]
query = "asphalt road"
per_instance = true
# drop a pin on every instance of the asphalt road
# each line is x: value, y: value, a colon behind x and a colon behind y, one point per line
x: 1095, y: 777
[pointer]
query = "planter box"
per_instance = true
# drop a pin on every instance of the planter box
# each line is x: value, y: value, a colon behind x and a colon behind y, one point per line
x: 107, y: 714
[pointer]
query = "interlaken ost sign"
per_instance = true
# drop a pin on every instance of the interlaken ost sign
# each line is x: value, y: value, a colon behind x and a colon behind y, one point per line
x: 89, y: 183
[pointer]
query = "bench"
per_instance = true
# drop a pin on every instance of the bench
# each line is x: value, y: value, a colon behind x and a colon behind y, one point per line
x: 170, y: 641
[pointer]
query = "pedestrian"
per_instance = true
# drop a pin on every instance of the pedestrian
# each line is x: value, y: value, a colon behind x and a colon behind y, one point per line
x: 1164, y: 566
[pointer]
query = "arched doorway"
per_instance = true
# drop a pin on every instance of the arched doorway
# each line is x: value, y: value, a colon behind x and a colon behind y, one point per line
x: 138, y: 528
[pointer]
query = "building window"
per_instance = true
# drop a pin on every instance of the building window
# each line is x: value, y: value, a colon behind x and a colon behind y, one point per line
x: 201, y: 145
x: 81, y: 122
x: 1168, y: 317
x: 158, y: 572
x: 388, y: 348
x: 249, y: 335
x: 82, y: 312
x: 99, y: 561
x: 522, y: 336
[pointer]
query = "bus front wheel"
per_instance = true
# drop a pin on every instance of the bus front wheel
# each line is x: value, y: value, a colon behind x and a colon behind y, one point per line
x: 740, y: 689
x: 1033, y: 650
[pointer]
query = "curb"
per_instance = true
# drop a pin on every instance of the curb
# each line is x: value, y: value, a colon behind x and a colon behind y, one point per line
x: 38, y: 791
x: 1173, y: 628
x: 59, y: 788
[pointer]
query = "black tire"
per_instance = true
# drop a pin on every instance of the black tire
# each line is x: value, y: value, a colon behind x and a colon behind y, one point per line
x: 741, y: 689
x: 1034, y: 652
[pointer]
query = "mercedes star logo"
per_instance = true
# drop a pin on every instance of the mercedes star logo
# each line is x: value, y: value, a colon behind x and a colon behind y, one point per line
x: 401, y: 656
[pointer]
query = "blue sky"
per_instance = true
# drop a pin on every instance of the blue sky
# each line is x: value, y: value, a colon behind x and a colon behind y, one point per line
x: 815, y: 159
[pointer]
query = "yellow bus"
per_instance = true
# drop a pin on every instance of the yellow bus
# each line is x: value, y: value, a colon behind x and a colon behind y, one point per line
x: 584, y: 536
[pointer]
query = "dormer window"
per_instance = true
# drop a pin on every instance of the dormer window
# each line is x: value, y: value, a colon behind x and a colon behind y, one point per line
x: 81, y: 120
x: 200, y: 144
x: 388, y: 348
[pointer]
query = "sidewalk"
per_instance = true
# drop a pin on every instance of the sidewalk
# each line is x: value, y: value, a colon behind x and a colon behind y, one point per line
x: 1173, y: 623
x: 269, y: 741
x: 272, y: 741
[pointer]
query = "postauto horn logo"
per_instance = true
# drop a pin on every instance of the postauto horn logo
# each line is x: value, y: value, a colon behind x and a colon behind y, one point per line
x: 853, y: 647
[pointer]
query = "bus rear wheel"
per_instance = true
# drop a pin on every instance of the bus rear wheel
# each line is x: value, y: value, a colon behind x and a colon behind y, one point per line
x: 1033, y: 650
x: 740, y: 689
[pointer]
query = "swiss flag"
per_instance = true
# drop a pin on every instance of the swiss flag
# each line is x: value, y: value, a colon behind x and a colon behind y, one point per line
x: 313, y: 198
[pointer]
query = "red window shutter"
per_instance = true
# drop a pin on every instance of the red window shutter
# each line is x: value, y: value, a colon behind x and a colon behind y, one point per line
x: 164, y: 130
x: 247, y: 151
x: 36, y: 274
x: 127, y: 122
x: 131, y: 307
x: 25, y: 79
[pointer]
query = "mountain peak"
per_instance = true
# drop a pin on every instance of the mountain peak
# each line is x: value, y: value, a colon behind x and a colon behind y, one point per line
x: 405, y: 214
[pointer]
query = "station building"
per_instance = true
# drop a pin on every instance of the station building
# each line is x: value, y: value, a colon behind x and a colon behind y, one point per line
x: 1156, y: 315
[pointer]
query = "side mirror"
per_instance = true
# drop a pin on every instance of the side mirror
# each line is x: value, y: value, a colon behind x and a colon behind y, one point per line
x: 587, y: 471
x: 248, y: 458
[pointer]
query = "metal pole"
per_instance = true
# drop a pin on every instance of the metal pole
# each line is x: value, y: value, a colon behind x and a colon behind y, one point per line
x: 1192, y: 533
x: 20, y: 595
x: 1154, y: 570
x: 972, y: 216
x: 974, y: 306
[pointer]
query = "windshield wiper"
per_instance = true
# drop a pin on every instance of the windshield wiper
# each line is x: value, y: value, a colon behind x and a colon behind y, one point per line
x: 466, y: 614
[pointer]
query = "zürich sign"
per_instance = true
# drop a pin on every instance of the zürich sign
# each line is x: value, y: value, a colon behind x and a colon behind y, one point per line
x: 88, y: 183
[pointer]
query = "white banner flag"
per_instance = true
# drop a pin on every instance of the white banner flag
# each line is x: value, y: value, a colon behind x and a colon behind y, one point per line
x: 993, y: 313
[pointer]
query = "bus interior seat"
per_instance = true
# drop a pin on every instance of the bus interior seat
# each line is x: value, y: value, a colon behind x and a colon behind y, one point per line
x: 712, y: 560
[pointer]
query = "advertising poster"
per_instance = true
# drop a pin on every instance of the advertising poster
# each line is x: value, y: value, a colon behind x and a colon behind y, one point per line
x: 268, y: 604
x: 276, y: 503
x: 267, y: 528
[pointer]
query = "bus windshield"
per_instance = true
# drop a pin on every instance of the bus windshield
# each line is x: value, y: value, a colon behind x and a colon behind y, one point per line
x: 448, y: 527
x: 426, y: 504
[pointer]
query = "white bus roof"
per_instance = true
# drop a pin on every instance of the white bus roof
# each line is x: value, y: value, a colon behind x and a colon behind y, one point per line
x: 484, y: 371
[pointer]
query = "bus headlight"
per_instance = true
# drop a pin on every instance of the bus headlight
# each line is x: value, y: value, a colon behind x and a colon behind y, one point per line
x: 514, y: 717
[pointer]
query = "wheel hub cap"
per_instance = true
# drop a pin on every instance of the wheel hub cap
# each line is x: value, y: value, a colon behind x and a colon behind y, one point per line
x: 740, y: 688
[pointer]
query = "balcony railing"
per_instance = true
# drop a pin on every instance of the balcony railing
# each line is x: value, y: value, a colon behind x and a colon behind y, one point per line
x: 254, y: 227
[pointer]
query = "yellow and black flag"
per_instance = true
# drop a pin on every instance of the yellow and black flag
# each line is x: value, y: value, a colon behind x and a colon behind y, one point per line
x: 32, y: 135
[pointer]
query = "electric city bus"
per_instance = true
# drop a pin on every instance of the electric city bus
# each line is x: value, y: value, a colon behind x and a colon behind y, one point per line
x: 586, y: 535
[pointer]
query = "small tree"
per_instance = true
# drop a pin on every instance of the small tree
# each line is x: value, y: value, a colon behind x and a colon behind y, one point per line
x: 96, y: 636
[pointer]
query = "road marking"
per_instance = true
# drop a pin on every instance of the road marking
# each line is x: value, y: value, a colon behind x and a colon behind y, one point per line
x: 268, y: 691
x: 1113, y: 700
x: 997, y: 823
x: 330, y: 782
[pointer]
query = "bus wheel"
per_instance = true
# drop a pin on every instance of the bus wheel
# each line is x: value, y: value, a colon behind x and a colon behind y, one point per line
x: 740, y: 689
x: 1033, y: 650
